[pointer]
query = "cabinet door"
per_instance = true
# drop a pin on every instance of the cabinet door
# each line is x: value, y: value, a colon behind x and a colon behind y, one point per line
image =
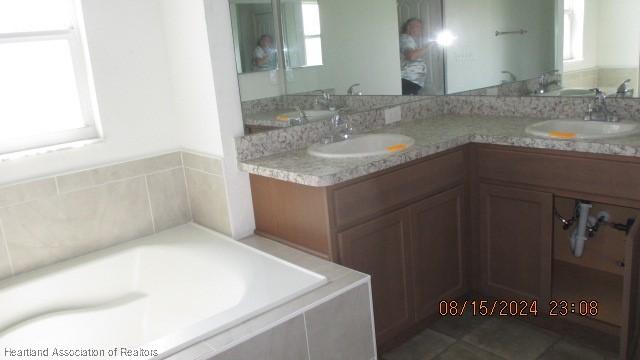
x: 516, y: 243
x: 437, y: 251
x: 380, y: 248
x: 630, y: 331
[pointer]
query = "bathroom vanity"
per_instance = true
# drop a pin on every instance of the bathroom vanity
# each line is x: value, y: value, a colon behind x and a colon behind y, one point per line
x: 474, y: 221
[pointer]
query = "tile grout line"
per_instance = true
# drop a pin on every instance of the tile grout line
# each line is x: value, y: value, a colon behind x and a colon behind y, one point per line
x: 153, y: 220
x: 204, y: 172
x: 306, y: 334
x: 78, y: 190
x: 55, y: 180
x: 6, y: 248
x: 547, y: 350
x: 186, y: 185
x: 109, y: 182
x: 90, y: 187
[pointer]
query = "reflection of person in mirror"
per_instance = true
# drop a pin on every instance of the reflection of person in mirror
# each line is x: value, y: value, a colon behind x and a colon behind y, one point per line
x: 414, y: 67
x: 264, y: 55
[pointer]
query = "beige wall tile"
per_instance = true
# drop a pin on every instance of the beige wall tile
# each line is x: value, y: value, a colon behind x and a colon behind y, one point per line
x: 202, y: 163
x: 341, y: 328
x: 46, y: 231
x: 5, y: 266
x: 168, y: 196
x: 208, y: 200
x: 284, y: 342
x: 19, y: 193
x: 102, y: 175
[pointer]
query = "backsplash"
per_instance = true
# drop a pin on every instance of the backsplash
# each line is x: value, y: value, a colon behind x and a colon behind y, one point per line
x: 422, y: 108
x: 353, y: 103
x: 60, y: 217
x: 515, y: 88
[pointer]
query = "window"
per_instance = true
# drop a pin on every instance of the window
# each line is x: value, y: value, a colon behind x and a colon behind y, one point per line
x: 44, y: 82
x: 573, y: 30
x: 312, y: 33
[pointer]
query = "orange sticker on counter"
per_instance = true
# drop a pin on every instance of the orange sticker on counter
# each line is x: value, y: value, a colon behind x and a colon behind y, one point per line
x: 282, y: 117
x: 562, y: 135
x: 396, y: 148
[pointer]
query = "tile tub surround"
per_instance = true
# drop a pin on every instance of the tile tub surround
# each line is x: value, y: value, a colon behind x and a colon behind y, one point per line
x: 53, y: 219
x: 432, y: 136
x: 313, y: 326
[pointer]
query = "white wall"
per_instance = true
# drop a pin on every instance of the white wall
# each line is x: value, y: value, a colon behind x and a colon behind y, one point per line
x: 133, y: 89
x: 619, y: 33
x: 192, y: 76
x: 477, y: 57
x: 360, y: 44
x: 259, y: 85
x: 227, y: 94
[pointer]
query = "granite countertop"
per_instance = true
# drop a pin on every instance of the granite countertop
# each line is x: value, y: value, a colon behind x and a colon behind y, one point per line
x: 432, y: 136
x: 268, y: 118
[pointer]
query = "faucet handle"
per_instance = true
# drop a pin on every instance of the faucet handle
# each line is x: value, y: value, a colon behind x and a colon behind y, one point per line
x: 623, y: 89
x: 351, y: 89
x: 303, y: 115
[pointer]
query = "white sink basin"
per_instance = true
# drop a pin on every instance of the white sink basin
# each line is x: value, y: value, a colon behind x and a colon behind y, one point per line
x: 361, y: 146
x: 580, y: 129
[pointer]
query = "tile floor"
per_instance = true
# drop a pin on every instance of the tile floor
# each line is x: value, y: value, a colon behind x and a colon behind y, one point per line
x: 477, y: 338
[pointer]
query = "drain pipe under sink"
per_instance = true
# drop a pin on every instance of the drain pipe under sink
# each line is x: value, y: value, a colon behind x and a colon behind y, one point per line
x: 579, y: 235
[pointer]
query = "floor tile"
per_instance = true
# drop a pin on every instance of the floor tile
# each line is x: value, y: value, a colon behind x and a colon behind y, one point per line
x: 424, y: 346
x: 458, y: 326
x: 565, y: 350
x: 465, y: 351
x: 511, y: 339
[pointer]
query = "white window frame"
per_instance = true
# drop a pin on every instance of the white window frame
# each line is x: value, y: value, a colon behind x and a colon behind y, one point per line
x: 308, y: 37
x: 84, y: 83
x: 576, y: 34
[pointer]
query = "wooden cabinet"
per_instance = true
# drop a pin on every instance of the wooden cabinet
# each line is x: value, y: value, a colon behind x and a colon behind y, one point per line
x: 415, y: 257
x: 438, y: 237
x: 381, y: 248
x: 408, y: 228
x: 516, y: 242
x: 630, y: 330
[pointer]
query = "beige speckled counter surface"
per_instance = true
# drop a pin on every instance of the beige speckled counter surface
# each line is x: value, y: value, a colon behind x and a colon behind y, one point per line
x: 432, y: 136
x: 268, y: 118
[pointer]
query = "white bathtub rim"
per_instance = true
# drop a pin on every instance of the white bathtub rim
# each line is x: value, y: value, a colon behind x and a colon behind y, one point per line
x: 365, y: 280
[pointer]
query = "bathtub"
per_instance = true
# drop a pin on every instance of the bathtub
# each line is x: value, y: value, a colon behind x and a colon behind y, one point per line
x: 149, y: 297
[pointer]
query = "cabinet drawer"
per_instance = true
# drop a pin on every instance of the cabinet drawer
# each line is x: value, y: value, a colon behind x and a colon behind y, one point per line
x: 608, y: 177
x: 359, y: 201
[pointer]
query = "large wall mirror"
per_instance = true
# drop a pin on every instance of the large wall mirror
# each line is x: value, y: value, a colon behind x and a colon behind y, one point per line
x: 439, y: 47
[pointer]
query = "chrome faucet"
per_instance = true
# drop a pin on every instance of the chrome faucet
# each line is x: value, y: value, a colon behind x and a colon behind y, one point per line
x: 341, y: 129
x: 351, y: 90
x: 544, y: 81
x: 512, y: 77
x: 325, y: 99
x: 301, y: 119
x: 624, y: 90
x: 598, y: 109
